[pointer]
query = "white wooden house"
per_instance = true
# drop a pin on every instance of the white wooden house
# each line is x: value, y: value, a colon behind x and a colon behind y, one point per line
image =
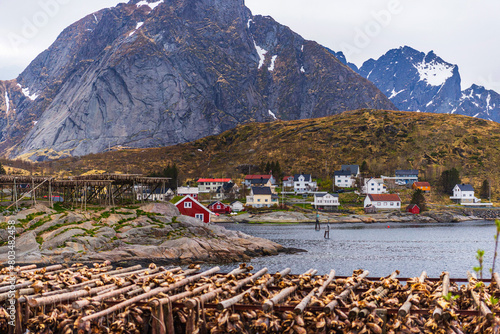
x: 464, y: 193
x: 383, y: 201
x: 303, y: 183
x: 237, y: 206
x: 326, y: 201
x: 374, y: 186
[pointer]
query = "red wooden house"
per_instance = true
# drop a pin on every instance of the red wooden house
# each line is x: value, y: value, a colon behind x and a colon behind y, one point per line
x: 413, y: 208
x: 219, y: 207
x: 188, y: 206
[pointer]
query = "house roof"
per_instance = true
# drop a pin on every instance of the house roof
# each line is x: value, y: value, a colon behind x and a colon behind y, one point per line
x: 187, y: 190
x: 324, y: 194
x: 384, y: 198
x: 217, y: 202
x: 262, y: 191
x: 214, y: 180
x: 259, y: 181
x: 307, y: 177
x: 342, y: 173
x: 411, y: 206
x: 236, y: 202
x: 354, y: 169
x: 422, y: 184
x: 286, y: 178
x: 253, y: 177
x: 465, y: 187
x: 195, y: 201
x: 402, y: 172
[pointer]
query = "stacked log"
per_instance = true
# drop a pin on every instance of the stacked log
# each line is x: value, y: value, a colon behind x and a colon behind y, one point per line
x: 99, y: 298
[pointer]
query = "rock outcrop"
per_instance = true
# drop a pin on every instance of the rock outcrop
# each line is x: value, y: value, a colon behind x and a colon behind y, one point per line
x: 151, y: 232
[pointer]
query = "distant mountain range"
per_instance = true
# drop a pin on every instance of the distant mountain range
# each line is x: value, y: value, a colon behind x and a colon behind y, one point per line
x: 161, y: 72
x: 154, y: 73
x: 415, y: 81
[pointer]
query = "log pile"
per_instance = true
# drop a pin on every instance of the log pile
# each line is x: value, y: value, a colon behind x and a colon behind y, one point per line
x: 99, y: 298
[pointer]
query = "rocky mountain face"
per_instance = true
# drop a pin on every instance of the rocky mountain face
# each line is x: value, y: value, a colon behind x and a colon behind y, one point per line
x: 415, y: 81
x: 156, y: 73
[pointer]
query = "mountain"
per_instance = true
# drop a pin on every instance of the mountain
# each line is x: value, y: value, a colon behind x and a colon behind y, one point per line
x: 415, y: 81
x: 149, y: 74
x: 386, y: 140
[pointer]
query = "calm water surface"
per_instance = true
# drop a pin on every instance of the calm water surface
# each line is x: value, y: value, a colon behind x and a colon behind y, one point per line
x: 410, y: 248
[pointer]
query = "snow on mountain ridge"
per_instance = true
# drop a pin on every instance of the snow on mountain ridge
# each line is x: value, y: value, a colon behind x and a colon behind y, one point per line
x: 434, y: 73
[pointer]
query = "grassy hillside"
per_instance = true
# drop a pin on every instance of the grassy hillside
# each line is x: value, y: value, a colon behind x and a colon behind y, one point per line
x: 387, y: 140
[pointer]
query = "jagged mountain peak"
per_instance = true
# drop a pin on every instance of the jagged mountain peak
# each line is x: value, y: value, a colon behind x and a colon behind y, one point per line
x: 418, y: 81
x: 154, y: 73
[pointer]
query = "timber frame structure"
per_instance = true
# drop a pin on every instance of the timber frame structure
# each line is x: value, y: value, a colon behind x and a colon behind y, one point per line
x: 102, y: 189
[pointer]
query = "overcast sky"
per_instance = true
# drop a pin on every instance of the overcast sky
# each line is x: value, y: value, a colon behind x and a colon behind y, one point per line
x: 462, y: 32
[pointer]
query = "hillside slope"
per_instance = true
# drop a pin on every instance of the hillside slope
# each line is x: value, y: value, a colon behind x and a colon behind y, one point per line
x: 387, y: 140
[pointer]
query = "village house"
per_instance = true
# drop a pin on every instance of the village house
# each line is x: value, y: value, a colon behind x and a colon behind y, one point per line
x: 219, y: 207
x: 326, y: 201
x: 344, y: 179
x: 288, y: 182
x: 383, y: 201
x: 262, y: 197
x: 211, y: 185
x: 259, y: 180
x: 464, y: 194
x: 303, y: 183
x: 406, y: 176
x: 346, y: 176
x: 413, y: 208
x: 227, y: 188
x: 188, y: 206
x: 374, y: 186
x: 188, y: 191
x: 237, y: 206
x: 424, y: 186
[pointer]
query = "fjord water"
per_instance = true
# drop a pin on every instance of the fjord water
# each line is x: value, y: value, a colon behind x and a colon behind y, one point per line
x: 379, y: 248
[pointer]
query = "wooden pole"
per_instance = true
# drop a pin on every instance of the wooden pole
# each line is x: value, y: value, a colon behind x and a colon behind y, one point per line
x: 165, y: 288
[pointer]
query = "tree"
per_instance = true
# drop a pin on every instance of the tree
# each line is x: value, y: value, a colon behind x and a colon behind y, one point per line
x: 418, y: 198
x: 485, y: 190
x: 2, y: 170
x: 172, y: 172
x: 364, y: 169
x: 448, y: 180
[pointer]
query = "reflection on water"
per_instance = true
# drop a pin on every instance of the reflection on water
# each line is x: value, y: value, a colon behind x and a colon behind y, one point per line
x: 379, y: 248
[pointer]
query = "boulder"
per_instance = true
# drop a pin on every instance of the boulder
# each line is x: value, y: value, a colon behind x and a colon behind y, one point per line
x: 162, y: 208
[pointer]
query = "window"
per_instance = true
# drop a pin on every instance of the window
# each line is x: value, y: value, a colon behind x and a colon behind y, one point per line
x: 188, y: 205
x: 199, y: 216
x: 392, y: 203
x: 266, y: 199
x: 218, y: 206
x: 258, y: 200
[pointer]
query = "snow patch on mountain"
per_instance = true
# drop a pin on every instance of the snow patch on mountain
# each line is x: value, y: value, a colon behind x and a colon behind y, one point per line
x: 262, y: 54
x: 151, y: 5
x: 26, y: 92
x: 272, y: 114
x: 139, y: 24
x: 394, y: 93
x: 7, y: 102
x: 434, y: 73
x: 273, y: 59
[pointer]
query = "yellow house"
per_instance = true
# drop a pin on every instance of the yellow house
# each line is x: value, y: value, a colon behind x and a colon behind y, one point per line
x: 424, y: 186
x: 262, y: 197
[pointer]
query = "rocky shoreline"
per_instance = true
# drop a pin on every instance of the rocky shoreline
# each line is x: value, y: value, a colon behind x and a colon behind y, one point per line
x: 153, y: 232
x: 433, y: 216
